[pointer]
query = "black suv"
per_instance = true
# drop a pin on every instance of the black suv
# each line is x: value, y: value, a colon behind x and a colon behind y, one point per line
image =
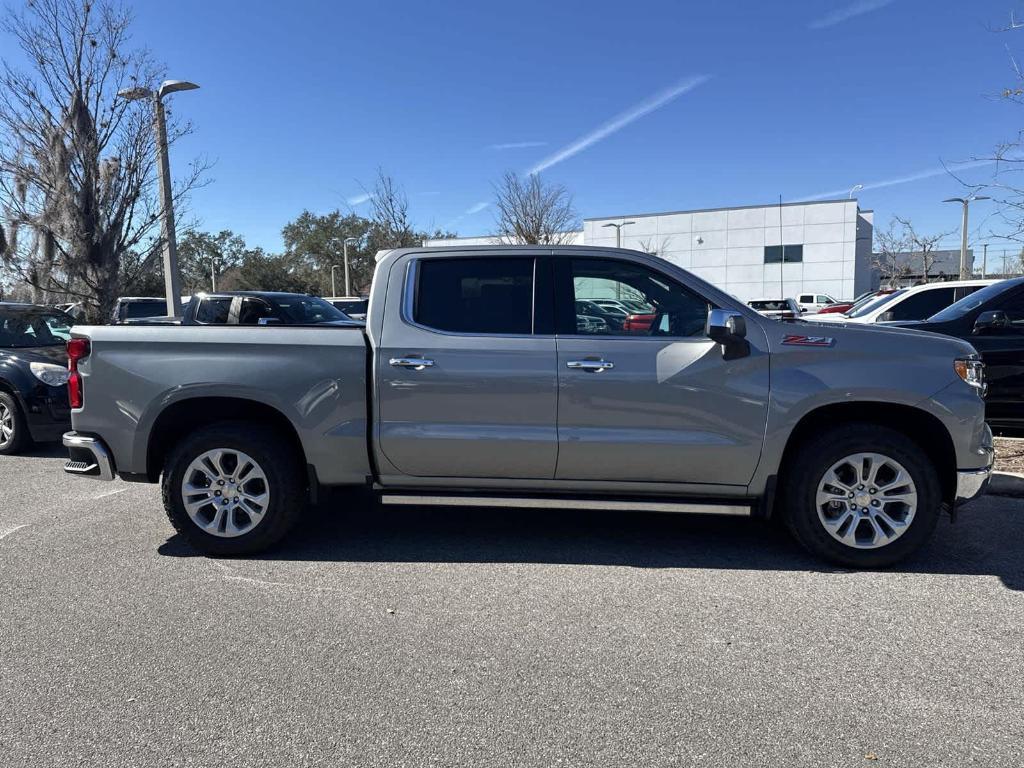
x: 992, y: 320
x: 261, y: 308
x: 33, y: 375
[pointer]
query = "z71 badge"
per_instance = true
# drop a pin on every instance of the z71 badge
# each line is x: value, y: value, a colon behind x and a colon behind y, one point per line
x: 808, y: 341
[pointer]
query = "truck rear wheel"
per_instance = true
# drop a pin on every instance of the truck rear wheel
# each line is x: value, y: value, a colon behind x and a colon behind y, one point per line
x: 861, y: 495
x: 233, y: 488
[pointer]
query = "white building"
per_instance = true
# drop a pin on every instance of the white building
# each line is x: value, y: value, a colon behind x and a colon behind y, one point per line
x: 827, y: 246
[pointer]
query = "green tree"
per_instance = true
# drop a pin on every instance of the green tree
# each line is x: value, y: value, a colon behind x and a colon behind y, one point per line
x: 318, y: 242
x: 261, y: 271
x: 203, y: 254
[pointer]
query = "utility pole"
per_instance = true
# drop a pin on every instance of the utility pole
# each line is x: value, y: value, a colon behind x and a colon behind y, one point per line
x: 965, y: 202
x: 172, y: 275
x: 984, y: 261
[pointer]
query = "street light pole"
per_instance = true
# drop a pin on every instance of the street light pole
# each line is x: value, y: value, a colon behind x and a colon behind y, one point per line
x: 334, y: 290
x: 344, y: 252
x: 965, y: 202
x: 618, y: 230
x: 854, y: 190
x: 172, y: 275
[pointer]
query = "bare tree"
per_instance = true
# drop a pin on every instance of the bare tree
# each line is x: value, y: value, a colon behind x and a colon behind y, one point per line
x: 528, y: 211
x: 77, y: 163
x: 390, y: 226
x: 921, y: 246
x: 890, y: 256
x: 655, y: 247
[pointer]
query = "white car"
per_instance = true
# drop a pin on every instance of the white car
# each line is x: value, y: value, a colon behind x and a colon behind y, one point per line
x: 814, y: 302
x: 777, y: 309
x: 916, y: 303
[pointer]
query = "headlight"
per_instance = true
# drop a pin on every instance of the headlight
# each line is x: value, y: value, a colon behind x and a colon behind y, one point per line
x: 50, y: 374
x: 972, y: 371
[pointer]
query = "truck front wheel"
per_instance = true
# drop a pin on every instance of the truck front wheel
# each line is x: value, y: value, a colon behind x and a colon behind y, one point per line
x: 232, y: 488
x: 861, y: 495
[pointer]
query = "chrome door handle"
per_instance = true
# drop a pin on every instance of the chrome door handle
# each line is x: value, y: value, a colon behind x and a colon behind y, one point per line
x: 416, y: 363
x: 591, y: 365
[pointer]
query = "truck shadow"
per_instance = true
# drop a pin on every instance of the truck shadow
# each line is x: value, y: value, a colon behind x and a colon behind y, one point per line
x: 986, y: 540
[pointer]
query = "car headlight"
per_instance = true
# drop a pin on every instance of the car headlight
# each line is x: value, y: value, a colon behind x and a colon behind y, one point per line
x: 972, y: 371
x: 50, y: 374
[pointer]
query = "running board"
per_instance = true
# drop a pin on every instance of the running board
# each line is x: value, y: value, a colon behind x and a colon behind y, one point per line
x: 552, y: 502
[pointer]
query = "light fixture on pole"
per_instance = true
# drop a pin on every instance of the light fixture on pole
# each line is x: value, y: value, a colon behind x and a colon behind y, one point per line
x: 854, y: 190
x: 965, y: 202
x: 618, y: 230
x: 172, y: 277
x: 344, y: 251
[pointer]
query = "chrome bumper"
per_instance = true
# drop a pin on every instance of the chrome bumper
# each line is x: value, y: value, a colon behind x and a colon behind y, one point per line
x: 88, y: 457
x: 971, y: 483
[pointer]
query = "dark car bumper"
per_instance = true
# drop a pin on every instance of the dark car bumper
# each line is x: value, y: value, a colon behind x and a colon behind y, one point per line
x: 47, y: 413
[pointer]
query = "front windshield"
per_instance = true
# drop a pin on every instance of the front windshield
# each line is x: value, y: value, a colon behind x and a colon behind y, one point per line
x: 309, y: 310
x: 22, y: 329
x: 873, y: 304
x: 969, y: 302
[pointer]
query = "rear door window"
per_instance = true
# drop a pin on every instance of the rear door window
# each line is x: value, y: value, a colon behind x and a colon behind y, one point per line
x: 475, y: 295
x: 214, y: 310
x: 918, y: 306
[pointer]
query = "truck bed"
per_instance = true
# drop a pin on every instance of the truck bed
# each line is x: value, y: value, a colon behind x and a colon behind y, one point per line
x: 315, y: 377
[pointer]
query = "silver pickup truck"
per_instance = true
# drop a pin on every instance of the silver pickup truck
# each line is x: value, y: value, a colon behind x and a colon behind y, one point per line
x: 474, y: 382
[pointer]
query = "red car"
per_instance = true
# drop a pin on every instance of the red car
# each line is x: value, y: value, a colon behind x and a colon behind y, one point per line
x: 846, y: 306
x: 640, y: 323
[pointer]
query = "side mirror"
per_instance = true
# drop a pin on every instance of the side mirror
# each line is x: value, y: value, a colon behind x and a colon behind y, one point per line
x: 991, y: 320
x: 728, y: 328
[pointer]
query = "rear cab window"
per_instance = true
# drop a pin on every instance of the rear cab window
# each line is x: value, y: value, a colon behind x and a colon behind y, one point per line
x: 475, y: 295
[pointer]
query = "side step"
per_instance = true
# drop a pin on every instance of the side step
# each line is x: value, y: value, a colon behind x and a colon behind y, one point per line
x: 561, y: 502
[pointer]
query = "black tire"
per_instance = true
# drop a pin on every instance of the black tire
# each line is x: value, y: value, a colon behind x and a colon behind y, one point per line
x: 21, y: 439
x: 814, y: 458
x: 284, y: 480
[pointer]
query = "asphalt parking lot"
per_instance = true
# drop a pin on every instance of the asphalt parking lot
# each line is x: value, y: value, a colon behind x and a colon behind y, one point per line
x: 476, y: 638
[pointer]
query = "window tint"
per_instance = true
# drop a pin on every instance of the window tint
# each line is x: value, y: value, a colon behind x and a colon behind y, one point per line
x: 918, y: 306
x: 253, y: 310
x: 773, y: 254
x: 213, y: 310
x: 969, y: 302
x: 664, y: 307
x: 308, y: 310
x: 32, y: 329
x: 478, y: 295
x: 1014, y: 309
x: 141, y: 309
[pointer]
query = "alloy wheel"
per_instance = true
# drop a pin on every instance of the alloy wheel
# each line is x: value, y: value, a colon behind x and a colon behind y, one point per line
x: 225, y: 492
x: 866, y: 500
x: 6, y: 425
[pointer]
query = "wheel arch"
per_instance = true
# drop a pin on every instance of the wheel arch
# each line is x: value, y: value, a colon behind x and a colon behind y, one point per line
x: 183, y: 416
x: 923, y: 428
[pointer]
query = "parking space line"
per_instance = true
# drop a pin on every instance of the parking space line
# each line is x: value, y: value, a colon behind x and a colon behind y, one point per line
x: 4, y: 533
x: 110, y: 493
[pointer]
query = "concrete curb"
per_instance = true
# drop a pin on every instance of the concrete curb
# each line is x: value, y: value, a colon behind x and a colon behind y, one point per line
x: 1006, y: 484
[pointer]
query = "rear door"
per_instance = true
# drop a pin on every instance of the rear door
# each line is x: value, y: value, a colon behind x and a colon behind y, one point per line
x: 658, y: 404
x: 465, y: 371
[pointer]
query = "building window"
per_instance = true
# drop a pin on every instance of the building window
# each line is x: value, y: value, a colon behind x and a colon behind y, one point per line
x: 773, y: 254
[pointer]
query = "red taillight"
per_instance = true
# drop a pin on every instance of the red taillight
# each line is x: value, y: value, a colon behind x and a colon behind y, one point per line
x: 78, y: 349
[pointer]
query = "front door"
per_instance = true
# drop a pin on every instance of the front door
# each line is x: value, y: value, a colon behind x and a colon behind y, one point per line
x: 651, y: 400
x: 466, y: 381
x: 1002, y: 350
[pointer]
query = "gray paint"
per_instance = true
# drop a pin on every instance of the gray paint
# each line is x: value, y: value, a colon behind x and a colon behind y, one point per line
x: 504, y: 412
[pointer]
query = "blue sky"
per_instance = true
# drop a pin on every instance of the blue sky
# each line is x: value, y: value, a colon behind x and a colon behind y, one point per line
x: 636, y: 107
